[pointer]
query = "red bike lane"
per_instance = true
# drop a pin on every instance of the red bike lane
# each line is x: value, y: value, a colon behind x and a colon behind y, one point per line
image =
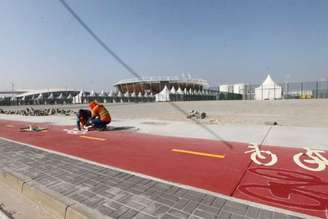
x: 296, y: 182
x: 217, y: 166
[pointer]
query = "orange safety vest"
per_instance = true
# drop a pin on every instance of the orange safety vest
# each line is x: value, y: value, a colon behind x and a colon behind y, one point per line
x: 102, y: 112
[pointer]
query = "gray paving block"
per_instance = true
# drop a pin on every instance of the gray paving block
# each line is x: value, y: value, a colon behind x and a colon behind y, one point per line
x: 167, y: 216
x: 208, y: 208
x: 135, y: 205
x: 181, y: 203
x: 224, y: 215
x: 177, y: 213
x: 252, y: 212
x: 265, y: 214
x: 118, y: 212
x: 234, y: 207
x: 204, y: 214
x: 218, y: 202
x: 193, y: 195
x: 208, y: 199
x: 156, y: 209
x: 129, y: 214
x: 190, y: 207
x: 165, y: 201
x: 277, y: 215
x: 141, y: 215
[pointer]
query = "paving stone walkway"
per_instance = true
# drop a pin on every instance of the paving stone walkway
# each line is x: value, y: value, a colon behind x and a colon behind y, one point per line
x: 119, y: 194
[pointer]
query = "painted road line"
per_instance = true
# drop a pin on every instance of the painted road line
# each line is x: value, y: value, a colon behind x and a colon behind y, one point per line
x: 198, y: 153
x: 92, y: 138
x: 10, y: 126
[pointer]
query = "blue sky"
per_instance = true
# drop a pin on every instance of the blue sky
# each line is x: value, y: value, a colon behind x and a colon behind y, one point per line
x: 42, y: 46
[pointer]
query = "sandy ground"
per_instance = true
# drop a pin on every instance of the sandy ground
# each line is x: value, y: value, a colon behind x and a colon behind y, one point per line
x: 19, y: 206
x: 297, y: 113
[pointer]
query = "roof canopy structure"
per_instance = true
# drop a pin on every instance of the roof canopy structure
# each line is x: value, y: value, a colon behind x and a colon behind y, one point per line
x: 269, y: 90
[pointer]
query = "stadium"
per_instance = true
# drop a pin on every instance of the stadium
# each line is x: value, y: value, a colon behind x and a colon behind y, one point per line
x: 155, y: 85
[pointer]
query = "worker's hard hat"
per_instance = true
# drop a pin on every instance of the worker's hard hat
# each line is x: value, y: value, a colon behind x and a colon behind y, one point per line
x: 92, y: 104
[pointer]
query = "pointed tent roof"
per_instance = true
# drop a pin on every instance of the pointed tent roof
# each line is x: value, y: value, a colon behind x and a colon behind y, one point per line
x: 179, y: 91
x: 40, y: 96
x: 191, y: 91
x: 268, y: 81
x: 140, y: 94
x: 173, y: 91
x: 133, y: 94
x: 69, y: 96
x: 82, y: 93
x: 185, y: 91
x: 119, y: 94
x: 165, y: 90
x: 111, y: 94
x: 146, y: 94
x: 61, y: 96
x: 51, y: 96
x: 93, y: 93
x: 102, y: 93
x: 127, y: 94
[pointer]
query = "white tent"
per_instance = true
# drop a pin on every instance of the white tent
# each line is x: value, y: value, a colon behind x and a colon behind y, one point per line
x: 61, y: 96
x: 78, y: 98
x: 179, y: 91
x: 140, y: 95
x: 102, y: 94
x: 173, y: 91
x: 70, y: 96
x: 119, y: 94
x: 40, y: 96
x: 51, y: 96
x: 93, y: 93
x: 163, y: 96
x: 127, y: 94
x: 111, y: 94
x: 269, y: 90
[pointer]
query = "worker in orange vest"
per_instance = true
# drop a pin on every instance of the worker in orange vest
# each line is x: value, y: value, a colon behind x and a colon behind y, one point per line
x: 100, y: 116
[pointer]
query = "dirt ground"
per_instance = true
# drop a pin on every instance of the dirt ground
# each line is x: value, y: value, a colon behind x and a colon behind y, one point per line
x: 297, y: 113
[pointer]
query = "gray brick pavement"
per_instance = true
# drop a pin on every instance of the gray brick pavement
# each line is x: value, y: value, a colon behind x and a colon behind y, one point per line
x: 118, y: 194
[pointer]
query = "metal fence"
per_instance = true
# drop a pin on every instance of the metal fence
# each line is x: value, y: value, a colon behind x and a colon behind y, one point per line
x: 293, y: 90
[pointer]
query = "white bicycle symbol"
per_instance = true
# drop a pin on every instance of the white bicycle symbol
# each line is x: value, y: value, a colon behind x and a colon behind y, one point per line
x: 258, y: 155
x: 75, y: 131
x: 314, y: 157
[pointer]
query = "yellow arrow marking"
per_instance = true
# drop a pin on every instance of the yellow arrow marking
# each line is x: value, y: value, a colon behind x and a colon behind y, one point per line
x: 93, y: 138
x: 198, y: 153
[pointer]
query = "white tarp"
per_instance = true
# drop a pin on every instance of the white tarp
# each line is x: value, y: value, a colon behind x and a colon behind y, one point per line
x: 163, y: 96
x: 269, y: 90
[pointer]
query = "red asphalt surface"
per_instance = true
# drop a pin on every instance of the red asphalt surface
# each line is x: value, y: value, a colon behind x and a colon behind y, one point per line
x: 284, y: 185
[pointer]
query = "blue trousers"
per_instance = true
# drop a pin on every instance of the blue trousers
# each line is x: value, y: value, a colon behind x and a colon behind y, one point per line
x: 98, y: 124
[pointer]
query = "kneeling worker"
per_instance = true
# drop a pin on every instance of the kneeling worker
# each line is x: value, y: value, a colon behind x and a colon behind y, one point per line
x: 100, y: 117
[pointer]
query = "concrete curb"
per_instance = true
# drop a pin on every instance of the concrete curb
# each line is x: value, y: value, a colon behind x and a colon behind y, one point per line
x: 58, y: 205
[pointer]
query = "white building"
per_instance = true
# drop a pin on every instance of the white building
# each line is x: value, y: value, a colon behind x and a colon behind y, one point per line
x: 232, y: 88
x: 269, y: 90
